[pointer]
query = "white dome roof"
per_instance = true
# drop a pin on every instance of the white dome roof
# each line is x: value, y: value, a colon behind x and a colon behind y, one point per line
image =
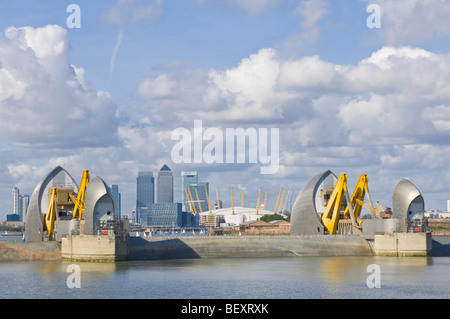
x: 241, y: 214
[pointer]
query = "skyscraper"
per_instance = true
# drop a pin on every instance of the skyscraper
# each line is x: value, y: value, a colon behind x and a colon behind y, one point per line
x: 165, y: 185
x: 16, y: 204
x: 19, y: 204
x: 187, y: 178
x: 116, y: 198
x: 145, y: 190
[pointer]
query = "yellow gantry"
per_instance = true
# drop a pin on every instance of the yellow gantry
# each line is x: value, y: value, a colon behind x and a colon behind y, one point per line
x: 357, y: 199
x: 51, y: 213
x: 78, y: 209
x: 330, y: 217
x: 355, y: 203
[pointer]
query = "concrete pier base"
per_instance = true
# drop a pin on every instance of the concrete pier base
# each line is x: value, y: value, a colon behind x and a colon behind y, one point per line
x: 93, y: 248
x: 403, y: 244
x: 247, y: 247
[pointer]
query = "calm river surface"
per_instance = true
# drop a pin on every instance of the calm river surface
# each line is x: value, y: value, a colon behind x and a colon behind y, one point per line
x: 286, y: 278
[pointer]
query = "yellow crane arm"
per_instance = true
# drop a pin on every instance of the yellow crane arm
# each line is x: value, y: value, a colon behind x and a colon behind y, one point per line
x: 78, y: 210
x: 369, y: 207
x: 50, y: 216
x: 330, y: 217
x: 361, y: 189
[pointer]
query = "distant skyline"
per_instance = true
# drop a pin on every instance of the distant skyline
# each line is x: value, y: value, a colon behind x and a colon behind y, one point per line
x: 345, y: 96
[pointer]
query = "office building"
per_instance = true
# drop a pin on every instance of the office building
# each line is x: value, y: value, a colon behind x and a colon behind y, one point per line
x: 16, y: 201
x: 19, y: 204
x: 117, y: 201
x: 165, y: 215
x: 165, y: 185
x: 145, y: 190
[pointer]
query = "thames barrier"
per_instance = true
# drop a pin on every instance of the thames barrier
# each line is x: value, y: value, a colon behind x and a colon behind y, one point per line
x: 67, y: 221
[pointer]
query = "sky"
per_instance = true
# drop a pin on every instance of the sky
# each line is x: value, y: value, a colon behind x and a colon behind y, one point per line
x: 108, y: 93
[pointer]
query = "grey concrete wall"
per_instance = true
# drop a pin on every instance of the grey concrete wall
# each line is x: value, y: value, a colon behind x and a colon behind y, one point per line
x: 247, y: 247
x: 29, y: 251
x: 403, y: 244
x: 103, y: 248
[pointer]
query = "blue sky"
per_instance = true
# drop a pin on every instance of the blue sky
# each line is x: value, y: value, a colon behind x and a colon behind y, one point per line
x: 344, y: 96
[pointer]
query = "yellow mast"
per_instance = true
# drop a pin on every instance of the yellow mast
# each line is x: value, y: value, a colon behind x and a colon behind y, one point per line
x: 207, y: 198
x: 281, y: 201
x: 192, y: 200
x: 257, y: 203
x: 217, y: 196
x: 278, y: 200
x: 232, y: 201
x: 198, y: 202
x: 188, y: 199
x: 284, y: 207
x: 265, y: 199
x: 242, y: 197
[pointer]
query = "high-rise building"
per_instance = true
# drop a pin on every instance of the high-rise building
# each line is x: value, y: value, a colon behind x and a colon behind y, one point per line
x: 145, y: 190
x: 165, y: 185
x: 16, y: 201
x: 187, y: 178
x: 448, y: 205
x: 19, y: 204
x: 116, y: 196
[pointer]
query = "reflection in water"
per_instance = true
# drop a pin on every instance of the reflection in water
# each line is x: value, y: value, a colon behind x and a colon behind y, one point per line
x: 306, y: 277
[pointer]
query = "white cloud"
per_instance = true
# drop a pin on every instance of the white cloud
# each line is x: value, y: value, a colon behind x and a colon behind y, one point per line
x: 44, y: 101
x: 310, y: 12
x: 413, y: 21
x: 161, y: 87
x: 379, y: 100
x: 386, y: 116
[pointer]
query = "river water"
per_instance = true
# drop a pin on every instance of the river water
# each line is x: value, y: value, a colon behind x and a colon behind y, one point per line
x: 368, y: 277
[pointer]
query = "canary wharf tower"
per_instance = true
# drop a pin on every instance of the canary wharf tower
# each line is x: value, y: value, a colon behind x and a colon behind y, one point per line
x: 165, y: 185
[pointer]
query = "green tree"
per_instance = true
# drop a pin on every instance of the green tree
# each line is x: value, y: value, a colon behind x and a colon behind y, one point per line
x: 270, y: 217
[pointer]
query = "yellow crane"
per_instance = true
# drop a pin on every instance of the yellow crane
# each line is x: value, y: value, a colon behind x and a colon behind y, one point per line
x: 357, y: 199
x: 78, y: 209
x: 330, y: 217
x: 50, y: 216
x: 372, y: 209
